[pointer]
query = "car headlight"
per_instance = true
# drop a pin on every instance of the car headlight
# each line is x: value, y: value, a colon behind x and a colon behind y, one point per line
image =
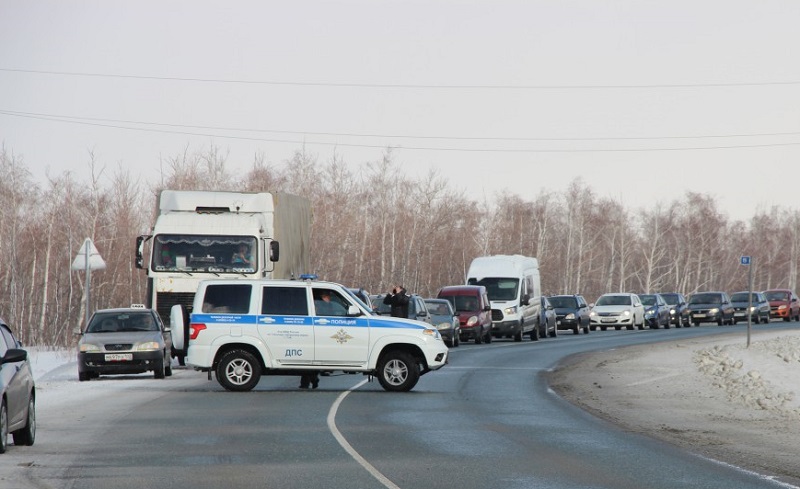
x: 752, y: 308
x: 593, y: 314
x: 88, y: 347
x: 626, y: 313
x: 569, y: 316
x: 432, y: 332
x: 472, y: 321
x: 444, y: 325
x: 648, y: 313
x: 149, y: 346
x: 672, y: 312
x: 510, y: 310
x: 781, y: 308
x: 713, y: 311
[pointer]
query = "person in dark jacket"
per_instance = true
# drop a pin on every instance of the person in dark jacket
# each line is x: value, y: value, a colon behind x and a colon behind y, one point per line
x: 398, y: 299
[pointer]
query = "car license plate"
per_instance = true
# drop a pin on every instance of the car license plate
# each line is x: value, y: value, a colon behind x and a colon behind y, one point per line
x: 739, y: 314
x: 119, y: 357
x: 608, y: 320
x: 699, y: 315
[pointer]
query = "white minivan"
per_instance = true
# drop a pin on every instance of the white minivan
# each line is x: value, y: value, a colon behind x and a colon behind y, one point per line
x: 514, y: 288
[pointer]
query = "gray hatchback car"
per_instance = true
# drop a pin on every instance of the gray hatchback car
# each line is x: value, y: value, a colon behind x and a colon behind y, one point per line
x: 124, y: 341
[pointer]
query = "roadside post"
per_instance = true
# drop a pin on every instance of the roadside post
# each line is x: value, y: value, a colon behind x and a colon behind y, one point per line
x: 747, y: 261
x: 88, y: 259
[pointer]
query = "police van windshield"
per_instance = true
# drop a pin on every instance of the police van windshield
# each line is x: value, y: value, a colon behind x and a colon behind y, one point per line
x: 204, y: 253
x: 498, y: 289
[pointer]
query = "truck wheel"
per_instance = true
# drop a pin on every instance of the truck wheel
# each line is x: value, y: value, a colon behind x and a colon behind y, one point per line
x: 518, y: 334
x: 84, y: 376
x: 238, y: 370
x: 27, y: 434
x: 535, y: 334
x: 398, y: 371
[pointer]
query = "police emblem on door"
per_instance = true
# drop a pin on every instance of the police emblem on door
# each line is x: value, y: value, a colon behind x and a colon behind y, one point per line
x: 341, y: 336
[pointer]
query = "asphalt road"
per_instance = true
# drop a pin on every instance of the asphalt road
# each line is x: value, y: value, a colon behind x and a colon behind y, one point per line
x: 487, y: 420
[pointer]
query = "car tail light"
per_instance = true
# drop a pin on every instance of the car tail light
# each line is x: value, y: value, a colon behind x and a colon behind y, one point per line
x: 195, y: 330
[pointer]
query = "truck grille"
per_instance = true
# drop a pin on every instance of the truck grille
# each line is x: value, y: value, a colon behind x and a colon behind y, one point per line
x: 165, y: 301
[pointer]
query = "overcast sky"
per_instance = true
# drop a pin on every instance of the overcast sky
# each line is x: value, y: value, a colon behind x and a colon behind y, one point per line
x: 643, y: 99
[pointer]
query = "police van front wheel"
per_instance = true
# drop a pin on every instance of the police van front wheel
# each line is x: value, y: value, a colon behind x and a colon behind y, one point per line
x: 398, y: 371
x: 238, y: 370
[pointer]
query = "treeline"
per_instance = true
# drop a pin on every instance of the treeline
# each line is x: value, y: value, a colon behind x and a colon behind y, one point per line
x: 374, y: 227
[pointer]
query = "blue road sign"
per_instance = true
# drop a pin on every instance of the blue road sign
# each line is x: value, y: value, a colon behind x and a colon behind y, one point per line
x: 745, y: 260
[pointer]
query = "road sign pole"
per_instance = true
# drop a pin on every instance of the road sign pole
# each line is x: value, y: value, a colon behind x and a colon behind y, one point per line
x: 750, y: 299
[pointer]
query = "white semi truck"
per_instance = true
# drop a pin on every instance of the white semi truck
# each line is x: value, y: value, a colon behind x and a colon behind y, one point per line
x: 201, y: 235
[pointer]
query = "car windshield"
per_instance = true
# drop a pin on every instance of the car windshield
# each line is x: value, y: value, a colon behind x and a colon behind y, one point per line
x: 614, y: 300
x: 743, y: 297
x: 777, y: 296
x: 648, y: 300
x: 564, y: 302
x: 670, y: 299
x: 439, y: 308
x: 706, y: 299
x: 499, y: 289
x: 122, y: 322
x: 462, y: 303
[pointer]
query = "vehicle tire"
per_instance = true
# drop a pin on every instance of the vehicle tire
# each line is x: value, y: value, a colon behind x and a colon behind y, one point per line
x: 586, y: 330
x: 84, y: 376
x: 3, y: 426
x: 478, y: 338
x: 697, y: 323
x: 397, y: 371
x: 618, y: 328
x: 668, y: 324
x: 158, y: 371
x: 576, y: 330
x: 238, y: 371
x: 27, y: 434
x: 603, y: 328
x: 456, y: 340
x: 535, y: 334
x: 554, y: 333
x: 518, y: 334
x: 593, y: 328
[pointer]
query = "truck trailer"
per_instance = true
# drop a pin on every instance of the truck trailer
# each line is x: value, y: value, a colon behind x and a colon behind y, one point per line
x: 199, y: 235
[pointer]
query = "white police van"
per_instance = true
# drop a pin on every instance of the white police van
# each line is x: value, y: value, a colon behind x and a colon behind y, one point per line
x: 242, y: 329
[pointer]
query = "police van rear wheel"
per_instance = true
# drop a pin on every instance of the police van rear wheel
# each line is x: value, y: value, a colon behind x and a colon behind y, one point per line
x: 398, y: 371
x: 238, y: 370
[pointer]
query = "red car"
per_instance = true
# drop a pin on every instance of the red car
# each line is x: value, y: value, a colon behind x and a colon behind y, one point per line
x: 783, y: 304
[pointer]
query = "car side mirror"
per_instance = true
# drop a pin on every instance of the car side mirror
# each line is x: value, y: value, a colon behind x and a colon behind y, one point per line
x: 14, y: 355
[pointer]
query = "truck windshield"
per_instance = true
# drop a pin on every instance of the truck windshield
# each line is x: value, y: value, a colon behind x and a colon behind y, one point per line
x: 204, y: 253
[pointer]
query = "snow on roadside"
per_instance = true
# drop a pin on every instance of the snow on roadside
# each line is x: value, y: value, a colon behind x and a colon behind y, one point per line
x: 765, y: 376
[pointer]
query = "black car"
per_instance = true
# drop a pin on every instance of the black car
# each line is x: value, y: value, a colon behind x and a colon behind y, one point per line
x: 572, y: 312
x: 678, y: 309
x: 17, y: 392
x: 757, y: 302
x: 656, y: 311
x: 711, y: 307
x: 547, y: 321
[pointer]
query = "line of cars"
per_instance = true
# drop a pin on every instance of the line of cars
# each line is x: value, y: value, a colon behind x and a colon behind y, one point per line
x: 637, y: 311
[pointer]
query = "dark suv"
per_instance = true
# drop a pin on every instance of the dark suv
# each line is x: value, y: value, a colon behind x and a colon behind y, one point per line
x: 416, y: 307
x: 572, y: 312
x: 711, y: 307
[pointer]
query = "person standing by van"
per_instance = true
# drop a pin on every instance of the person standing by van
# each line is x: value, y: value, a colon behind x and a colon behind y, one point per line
x: 398, y: 299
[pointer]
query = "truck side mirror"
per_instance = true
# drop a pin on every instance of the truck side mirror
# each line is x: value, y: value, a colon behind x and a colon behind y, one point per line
x: 274, y: 251
x: 139, y: 254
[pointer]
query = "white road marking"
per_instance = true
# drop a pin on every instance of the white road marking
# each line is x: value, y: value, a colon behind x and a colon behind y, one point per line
x: 347, y: 447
